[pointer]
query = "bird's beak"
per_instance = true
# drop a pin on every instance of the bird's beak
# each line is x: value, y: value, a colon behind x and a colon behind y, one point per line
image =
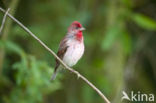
x: 82, y: 28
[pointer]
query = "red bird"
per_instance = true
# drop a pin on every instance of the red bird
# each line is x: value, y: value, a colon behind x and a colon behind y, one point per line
x: 71, y: 48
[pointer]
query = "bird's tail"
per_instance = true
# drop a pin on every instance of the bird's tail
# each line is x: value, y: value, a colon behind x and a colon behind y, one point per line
x: 55, y: 73
x: 54, y: 76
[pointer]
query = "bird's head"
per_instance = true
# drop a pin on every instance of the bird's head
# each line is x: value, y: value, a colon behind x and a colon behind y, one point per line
x: 76, y: 29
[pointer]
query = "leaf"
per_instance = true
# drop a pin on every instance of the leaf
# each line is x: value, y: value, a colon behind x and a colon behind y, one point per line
x: 110, y: 37
x: 126, y: 42
x: 13, y: 47
x: 144, y: 21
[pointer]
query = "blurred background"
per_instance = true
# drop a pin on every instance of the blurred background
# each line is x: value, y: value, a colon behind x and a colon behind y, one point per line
x: 120, y: 50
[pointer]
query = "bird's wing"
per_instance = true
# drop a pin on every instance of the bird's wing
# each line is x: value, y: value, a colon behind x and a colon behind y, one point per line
x: 62, y: 49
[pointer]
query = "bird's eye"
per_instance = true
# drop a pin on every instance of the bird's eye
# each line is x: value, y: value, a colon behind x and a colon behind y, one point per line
x: 76, y: 27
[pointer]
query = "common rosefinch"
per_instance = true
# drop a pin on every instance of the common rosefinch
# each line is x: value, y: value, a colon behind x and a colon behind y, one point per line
x: 71, y: 48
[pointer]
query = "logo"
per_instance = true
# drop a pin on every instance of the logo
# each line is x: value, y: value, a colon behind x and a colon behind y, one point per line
x: 140, y: 97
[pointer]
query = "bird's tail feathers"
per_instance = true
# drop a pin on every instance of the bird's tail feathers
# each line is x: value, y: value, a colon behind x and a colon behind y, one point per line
x: 54, y: 75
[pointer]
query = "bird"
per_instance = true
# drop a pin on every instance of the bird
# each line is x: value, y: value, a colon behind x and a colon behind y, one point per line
x: 71, y: 47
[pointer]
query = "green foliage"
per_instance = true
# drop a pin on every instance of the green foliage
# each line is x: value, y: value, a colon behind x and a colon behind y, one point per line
x: 12, y: 47
x: 110, y: 36
x: 144, y: 21
x: 32, y: 78
x: 126, y: 42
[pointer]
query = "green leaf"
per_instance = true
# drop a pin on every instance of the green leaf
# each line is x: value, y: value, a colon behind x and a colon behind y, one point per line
x: 144, y: 21
x: 126, y: 42
x: 110, y: 37
x: 13, y: 47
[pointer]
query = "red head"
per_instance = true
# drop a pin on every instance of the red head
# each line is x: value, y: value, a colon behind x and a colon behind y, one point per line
x: 76, y: 29
x: 75, y: 26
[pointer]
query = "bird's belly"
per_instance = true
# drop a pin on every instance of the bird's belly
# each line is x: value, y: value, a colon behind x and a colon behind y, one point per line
x: 73, y: 54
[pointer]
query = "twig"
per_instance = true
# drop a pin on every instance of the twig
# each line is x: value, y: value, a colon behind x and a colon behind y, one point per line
x: 66, y: 67
x: 3, y: 21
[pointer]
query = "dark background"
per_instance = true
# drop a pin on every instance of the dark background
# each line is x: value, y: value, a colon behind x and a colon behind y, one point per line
x: 120, y: 50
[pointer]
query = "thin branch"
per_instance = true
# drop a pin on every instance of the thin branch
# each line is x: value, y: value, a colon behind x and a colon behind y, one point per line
x: 66, y: 67
x: 3, y: 21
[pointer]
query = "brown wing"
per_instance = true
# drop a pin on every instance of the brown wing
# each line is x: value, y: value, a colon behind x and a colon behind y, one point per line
x: 62, y: 49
